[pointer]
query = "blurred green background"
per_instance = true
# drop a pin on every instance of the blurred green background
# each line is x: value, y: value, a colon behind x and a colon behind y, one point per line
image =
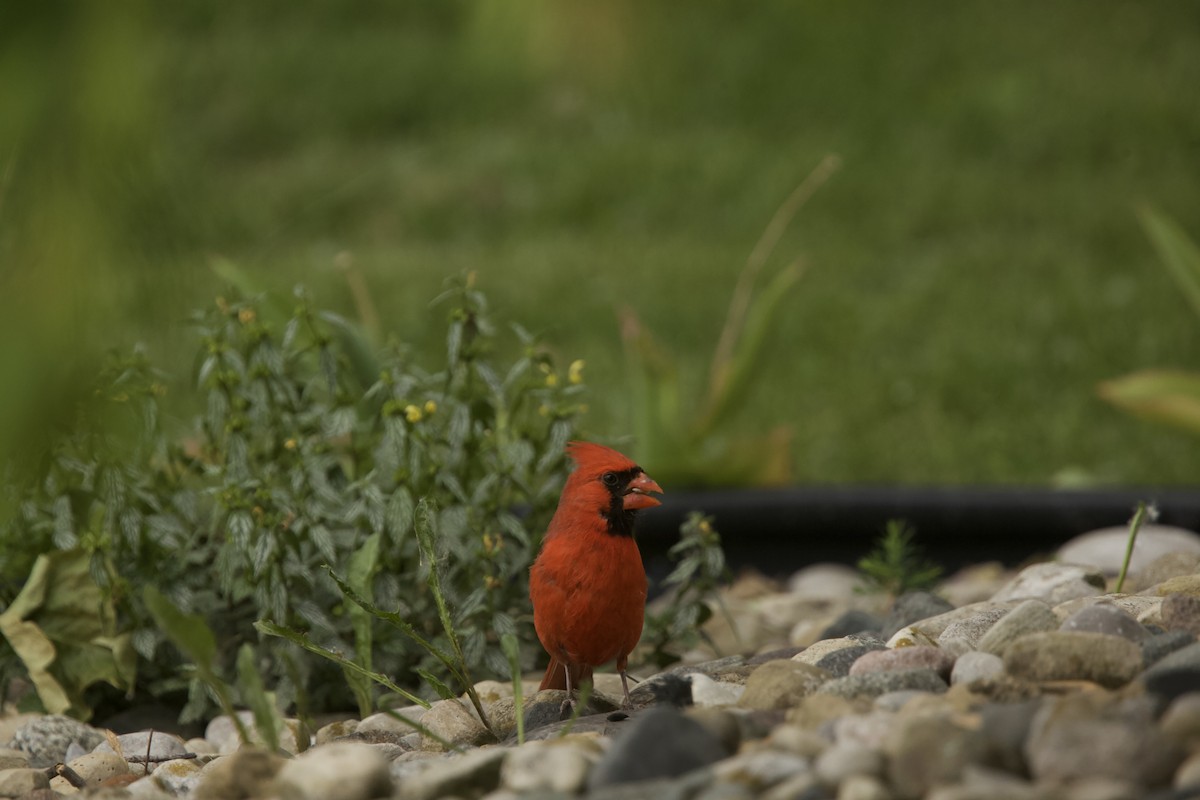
x: 973, y: 269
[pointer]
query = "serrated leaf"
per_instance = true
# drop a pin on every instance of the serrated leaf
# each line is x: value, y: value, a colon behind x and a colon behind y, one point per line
x: 400, y: 514
x: 560, y: 432
x: 322, y: 539
x: 297, y: 638
x: 443, y: 691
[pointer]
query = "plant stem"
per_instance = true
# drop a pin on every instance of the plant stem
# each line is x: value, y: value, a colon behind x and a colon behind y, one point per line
x: 1135, y: 524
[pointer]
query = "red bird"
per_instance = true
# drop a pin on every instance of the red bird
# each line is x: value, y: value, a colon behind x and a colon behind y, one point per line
x: 588, y: 585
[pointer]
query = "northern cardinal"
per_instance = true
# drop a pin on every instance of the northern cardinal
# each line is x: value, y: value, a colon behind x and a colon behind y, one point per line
x: 588, y: 585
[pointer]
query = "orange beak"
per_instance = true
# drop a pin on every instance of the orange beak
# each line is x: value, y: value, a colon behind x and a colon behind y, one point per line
x: 637, y: 493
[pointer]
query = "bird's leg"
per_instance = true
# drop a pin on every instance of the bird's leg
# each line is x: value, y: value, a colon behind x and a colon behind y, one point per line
x: 568, y: 705
x: 625, y: 685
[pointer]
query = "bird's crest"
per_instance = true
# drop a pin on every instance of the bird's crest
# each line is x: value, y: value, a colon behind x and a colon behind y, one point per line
x: 590, y: 456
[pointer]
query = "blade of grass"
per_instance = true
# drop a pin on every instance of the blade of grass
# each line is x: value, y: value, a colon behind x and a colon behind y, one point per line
x: 424, y: 529
x: 509, y: 642
x: 266, y: 718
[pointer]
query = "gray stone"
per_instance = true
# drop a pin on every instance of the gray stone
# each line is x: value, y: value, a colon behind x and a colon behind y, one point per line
x: 1052, y: 583
x: 223, y: 732
x: 450, y: 720
x: 661, y: 743
x: 822, y: 649
x: 1031, y: 616
x: 1106, y: 618
x: 976, y: 666
x: 894, y: 701
x: 868, y: 730
x: 1005, y: 728
x: 781, y: 684
x: 161, y: 746
x: 919, y: 657
x: 925, y: 751
x: 1104, y: 549
x: 246, y: 773
x: 471, y: 775
x: 1188, y: 774
x: 1181, y: 720
x: 1161, y: 645
x: 1108, y: 660
x: 839, y: 662
x: 852, y: 622
x: 1174, y: 675
x: 93, y: 768
x: 826, y: 583
x: 760, y: 769
x: 1093, y: 734
x: 708, y: 693
x: 46, y: 739
x: 13, y: 759
x: 1181, y: 612
x: 864, y: 787
x: 336, y: 730
x: 179, y: 778
x: 873, y: 684
x: 1165, y: 567
x: 21, y: 781
x: 539, y: 766
x: 970, y: 630
x: 842, y: 761
x: 912, y: 607
x: 346, y: 770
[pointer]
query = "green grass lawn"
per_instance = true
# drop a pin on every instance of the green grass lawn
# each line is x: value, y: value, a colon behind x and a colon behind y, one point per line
x: 973, y: 269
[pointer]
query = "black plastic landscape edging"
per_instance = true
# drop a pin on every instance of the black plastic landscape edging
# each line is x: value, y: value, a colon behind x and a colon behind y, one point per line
x: 781, y: 530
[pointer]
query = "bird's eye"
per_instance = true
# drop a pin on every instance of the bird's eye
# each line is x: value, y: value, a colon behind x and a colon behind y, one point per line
x: 609, y: 478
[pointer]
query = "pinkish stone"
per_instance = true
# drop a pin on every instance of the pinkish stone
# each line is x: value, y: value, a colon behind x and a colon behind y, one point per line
x: 919, y: 657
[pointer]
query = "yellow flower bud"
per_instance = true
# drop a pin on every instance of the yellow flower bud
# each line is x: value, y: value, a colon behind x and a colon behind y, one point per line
x: 575, y: 371
x: 551, y: 379
x: 412, y: 413
x: 430, y: 407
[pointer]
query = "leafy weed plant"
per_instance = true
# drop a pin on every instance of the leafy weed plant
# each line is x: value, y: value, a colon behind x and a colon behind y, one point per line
x: 692, y: 591
x: 313, y: 449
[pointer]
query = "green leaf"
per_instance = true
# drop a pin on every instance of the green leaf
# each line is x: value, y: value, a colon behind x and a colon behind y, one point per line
x: 63, y: 628
x: 1169, y: 396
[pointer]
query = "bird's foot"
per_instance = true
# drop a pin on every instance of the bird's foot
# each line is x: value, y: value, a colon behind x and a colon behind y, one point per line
x: 567, y: 708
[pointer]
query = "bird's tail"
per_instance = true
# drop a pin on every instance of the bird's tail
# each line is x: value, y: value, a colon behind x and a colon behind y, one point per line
x: 556, y: 675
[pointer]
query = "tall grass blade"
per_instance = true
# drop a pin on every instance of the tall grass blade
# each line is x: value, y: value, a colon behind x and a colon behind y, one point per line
x: 424, y: 528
